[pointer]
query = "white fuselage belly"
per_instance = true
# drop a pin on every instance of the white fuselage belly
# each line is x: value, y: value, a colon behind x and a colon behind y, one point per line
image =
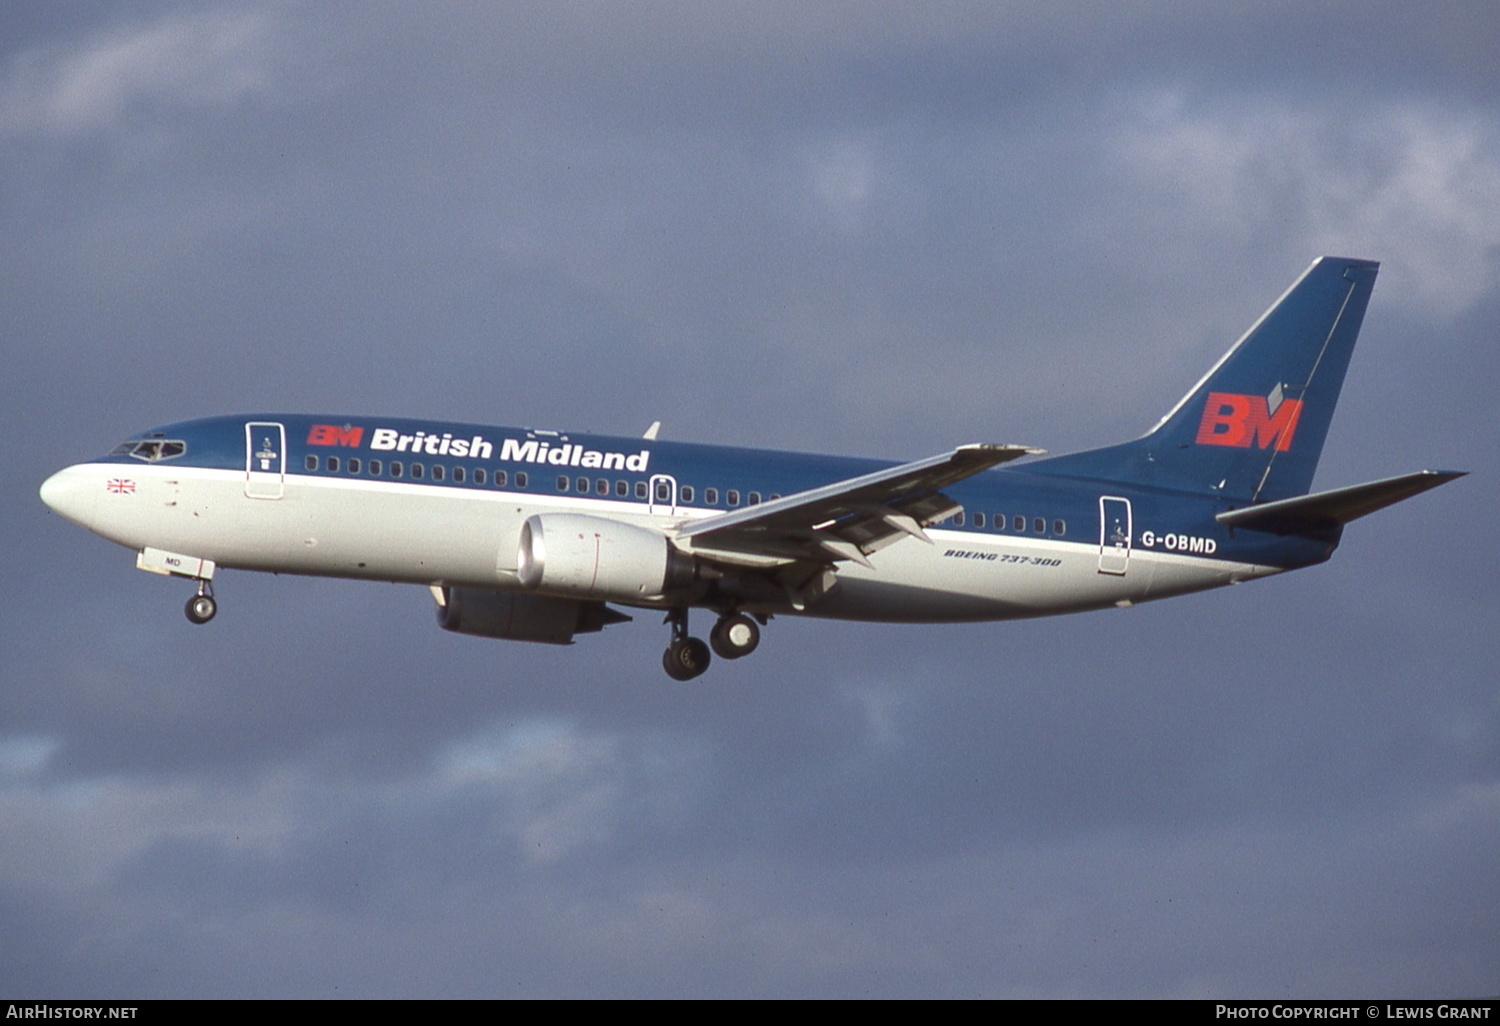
x: 433, y: 534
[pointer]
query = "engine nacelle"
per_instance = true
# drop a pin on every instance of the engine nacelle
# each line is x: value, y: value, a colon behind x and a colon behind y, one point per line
x: 573, y: 554
x: 519, y: 617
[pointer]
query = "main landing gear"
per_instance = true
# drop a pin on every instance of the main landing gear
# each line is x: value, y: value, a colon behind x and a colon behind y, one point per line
x: 202, y: 607
x: 735, y: 635
x: 685, y: 658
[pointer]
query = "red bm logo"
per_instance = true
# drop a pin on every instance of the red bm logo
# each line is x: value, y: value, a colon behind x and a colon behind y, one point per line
x: 1237, y: 420
x: 332, y: 434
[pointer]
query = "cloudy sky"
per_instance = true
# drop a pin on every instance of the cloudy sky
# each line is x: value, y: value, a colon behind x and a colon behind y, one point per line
x: 882, y: 229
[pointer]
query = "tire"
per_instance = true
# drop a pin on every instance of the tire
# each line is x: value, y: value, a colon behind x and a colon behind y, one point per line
x: 735, y: 636
x: 201, y: 608
x: 686, y: 659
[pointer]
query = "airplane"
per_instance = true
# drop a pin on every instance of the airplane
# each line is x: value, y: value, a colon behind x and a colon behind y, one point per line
x: 537, y: 535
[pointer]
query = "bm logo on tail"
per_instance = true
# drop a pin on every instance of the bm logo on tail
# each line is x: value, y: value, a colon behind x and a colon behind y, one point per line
x: 1237, y: 420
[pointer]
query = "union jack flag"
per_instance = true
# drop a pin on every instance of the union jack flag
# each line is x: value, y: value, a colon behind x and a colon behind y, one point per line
x: 120, y: 485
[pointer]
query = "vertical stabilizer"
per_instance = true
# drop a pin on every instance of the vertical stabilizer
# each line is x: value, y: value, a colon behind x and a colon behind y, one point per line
x: 1254, y: 427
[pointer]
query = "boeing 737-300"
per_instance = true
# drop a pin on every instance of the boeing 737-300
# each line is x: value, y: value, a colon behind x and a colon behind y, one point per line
x: 536, y: 535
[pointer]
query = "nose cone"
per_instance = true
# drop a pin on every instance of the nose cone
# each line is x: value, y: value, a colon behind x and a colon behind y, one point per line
x: 73, y: 493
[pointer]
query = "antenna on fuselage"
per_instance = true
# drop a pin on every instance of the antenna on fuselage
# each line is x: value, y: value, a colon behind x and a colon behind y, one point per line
x: 651, y: 431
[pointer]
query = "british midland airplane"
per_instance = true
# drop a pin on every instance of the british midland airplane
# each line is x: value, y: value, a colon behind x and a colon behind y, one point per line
x: 530, y: 535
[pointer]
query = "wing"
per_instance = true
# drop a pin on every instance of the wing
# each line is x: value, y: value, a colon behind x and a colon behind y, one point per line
x: 848, y: 519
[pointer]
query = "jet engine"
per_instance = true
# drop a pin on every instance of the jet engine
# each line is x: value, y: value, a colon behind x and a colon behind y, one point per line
x: 575, y: 555
x: 519, y: 617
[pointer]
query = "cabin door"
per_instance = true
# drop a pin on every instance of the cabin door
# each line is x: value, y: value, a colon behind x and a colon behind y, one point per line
x: 1114, y: 535
x: 265, y: 460
x: 663, y: 495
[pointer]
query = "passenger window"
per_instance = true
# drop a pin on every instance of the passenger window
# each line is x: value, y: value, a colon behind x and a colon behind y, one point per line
x: 583, y: 486
x: 374, y: 468
x: 417, y: 470
x: 601, y: 487
x: 663, y: 492
x: 622, y: 489
x: 562, y: 482
x: 978, y: 519
x: 1018, y: 523
x: 754, y: 499
x: 732, y: 497
x: 958, y: 519
x: 437, y: 472
x: 481, y: 476
x: 687, y: 493
x: 1059, y: 527
x: 640, y: 489
x: 521, y: 478
x: 311, y: 463
x: 396, y: 468
x: 333, y: 464
x: 711, y: 496
x: 459, y: 475
x: 1039, y: 525
x: 354, y: 464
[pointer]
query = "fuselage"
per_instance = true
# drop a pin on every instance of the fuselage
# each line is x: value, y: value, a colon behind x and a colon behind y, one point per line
x: 443, y: 504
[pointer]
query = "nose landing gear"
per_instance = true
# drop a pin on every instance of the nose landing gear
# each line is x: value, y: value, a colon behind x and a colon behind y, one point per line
x: 202, y: 607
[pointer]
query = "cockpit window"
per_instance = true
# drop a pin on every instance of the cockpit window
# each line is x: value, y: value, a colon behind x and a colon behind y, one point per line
x: 152, y: 450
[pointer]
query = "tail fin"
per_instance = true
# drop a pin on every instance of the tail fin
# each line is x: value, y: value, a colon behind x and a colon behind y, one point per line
x: 1254, y: 427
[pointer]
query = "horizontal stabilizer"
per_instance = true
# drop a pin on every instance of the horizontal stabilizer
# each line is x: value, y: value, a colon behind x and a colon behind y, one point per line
x: 1337, y: 507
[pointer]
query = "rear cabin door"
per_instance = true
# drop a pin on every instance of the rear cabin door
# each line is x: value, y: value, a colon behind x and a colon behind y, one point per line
x: 265, y: 460
x: 1114, y: 535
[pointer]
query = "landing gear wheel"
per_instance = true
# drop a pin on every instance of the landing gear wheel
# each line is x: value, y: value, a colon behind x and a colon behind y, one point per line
x: 734, y: 636
x: 201, y: 608
x: 686, y: 658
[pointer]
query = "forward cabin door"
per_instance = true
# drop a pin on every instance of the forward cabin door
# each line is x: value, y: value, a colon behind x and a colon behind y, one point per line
x: 265, y: 460
x: 1114, y: 535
